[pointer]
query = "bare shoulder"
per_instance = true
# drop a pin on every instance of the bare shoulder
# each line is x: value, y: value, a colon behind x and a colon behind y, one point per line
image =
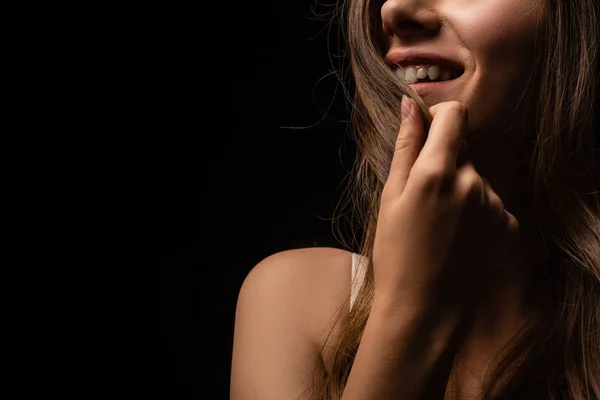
x: 312, y: 282
x: 285, y: 307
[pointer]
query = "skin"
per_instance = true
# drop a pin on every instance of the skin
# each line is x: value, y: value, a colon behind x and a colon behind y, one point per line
x: 288, y: 300
x: 494, y: 40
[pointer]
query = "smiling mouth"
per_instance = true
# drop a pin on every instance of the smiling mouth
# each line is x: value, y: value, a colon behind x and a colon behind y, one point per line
x: 415, y: 74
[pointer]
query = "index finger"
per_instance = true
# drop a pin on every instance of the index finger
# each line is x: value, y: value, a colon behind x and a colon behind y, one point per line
x: 445, y: 137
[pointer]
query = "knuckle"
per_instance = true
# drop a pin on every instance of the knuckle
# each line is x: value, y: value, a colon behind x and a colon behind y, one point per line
x: 457, y: 106
x: 403, y: 143
x: 471, y: 183
x: 430, y: 175
x: 502, y: 216
x: 449, y: 105
x: 496, y: 202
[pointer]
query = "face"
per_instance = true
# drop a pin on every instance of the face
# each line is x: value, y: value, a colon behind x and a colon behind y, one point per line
x: 492, y: 40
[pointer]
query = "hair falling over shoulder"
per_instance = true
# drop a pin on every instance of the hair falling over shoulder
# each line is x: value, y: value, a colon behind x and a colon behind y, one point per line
x: 558, y: 357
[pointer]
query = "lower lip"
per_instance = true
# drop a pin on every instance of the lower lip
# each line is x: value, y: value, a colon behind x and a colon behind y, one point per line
x: 427, y: 87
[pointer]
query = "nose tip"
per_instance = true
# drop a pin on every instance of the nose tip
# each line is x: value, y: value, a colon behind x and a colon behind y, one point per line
x: 402, y: 17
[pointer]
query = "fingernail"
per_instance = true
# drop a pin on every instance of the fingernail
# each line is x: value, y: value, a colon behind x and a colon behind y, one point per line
x: 405, y: 107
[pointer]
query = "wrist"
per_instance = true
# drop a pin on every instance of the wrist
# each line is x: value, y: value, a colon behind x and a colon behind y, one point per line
x: 422, y: 324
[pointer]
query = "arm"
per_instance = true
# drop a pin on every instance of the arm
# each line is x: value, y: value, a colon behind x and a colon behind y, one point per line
x: 404, y: 354
x: 274, y: 354
x: 440, y: 234
x: 275, y: 350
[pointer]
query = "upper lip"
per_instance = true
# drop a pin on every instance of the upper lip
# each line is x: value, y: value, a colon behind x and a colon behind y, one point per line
x: 414, y: 57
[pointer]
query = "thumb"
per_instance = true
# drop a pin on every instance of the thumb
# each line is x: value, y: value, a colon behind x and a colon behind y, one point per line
x: 409, y: 143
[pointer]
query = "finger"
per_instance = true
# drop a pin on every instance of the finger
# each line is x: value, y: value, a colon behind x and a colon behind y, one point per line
x: 510, y: 232
x: 470, y: 186
x: 445, y: 137
x: 507, y: 222
x: 409, y: 143
x: 493, y: 200
x: 512, y: 224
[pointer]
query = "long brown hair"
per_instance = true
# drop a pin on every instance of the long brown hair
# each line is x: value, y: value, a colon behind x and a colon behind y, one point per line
x: 557, y: 357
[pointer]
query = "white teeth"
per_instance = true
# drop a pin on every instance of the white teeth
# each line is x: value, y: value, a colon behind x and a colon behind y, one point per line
x: 434, y: 72
x: 410, y: 75
x: 400, y: 73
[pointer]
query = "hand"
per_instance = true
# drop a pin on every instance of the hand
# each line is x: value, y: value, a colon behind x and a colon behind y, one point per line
x: 442, y: 233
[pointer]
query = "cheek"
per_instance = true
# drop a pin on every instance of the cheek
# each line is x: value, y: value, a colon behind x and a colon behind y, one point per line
x: 500, y: 37
x: 497, y: 28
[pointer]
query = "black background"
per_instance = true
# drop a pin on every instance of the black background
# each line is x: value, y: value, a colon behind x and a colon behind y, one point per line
x: 232, y: 185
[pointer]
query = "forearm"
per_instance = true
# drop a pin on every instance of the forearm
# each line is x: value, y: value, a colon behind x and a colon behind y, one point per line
x: 404, y: 354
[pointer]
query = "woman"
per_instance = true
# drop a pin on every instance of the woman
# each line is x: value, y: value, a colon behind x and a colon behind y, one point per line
x: 479, y: 267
